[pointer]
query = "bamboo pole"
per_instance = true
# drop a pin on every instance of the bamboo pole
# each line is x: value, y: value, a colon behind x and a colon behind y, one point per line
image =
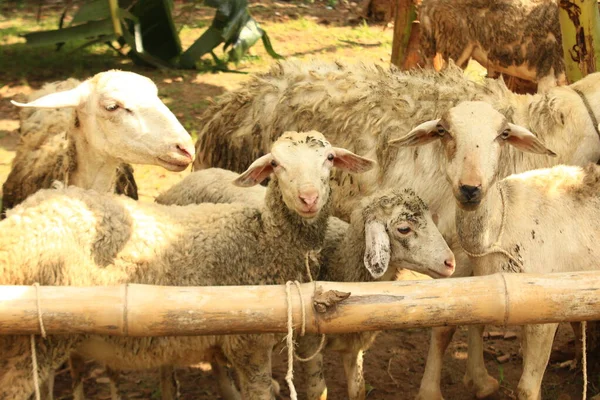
x: 580, y: 31
x: 406, y: 13
x: 144, y: 310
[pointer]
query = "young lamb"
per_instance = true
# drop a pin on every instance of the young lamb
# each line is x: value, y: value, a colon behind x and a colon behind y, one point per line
x: 510, y: 224
x: 388, y: 228
x: 519, y: 38
x: 74, y: 236
x: 85, y: 133
x: 362, y: 107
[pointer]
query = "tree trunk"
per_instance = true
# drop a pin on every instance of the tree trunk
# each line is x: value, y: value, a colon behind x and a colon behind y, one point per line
x: 406, y: 13
x: 580, y: 30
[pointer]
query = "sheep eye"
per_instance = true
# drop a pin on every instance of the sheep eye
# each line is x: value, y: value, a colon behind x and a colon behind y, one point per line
x: 273, y: 163
x: 405, y: 230
x: 111, y: 107
x: 505, y: 134
x: 330, y: 157
x: 440, y: 130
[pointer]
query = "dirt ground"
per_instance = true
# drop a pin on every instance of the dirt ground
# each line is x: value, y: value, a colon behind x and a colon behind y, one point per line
x: 393, y: 370
x: 394, y: 366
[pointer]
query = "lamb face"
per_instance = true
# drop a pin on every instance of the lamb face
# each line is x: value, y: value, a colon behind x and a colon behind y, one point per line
x: 399, y: 228
x: 301, y: 162
x: 473, y: 135
x: 120, y: 115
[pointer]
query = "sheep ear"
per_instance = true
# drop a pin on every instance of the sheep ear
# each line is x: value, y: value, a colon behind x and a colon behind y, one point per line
x: 524, y: 140
x: 377, y: 252
x: 67, y: 98
x: 257, y: 172
x: 422, y: 134
x: 347, y: 160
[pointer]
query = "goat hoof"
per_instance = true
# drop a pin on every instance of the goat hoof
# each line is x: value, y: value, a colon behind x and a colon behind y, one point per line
x: 482, y: 389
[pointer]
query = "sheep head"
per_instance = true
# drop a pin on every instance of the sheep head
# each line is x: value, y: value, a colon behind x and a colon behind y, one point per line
x: 120, y: 115
x: 398, y: 229
x: 301, y: 162
x: 472, y: 135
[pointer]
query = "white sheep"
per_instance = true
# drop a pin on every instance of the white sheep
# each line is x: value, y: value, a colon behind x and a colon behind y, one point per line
x: 81, y: 237
x: 515, y: 224
x: 85, y: 133
x: 387, y: 228
x: 520, y: 38
x: 362, y: 107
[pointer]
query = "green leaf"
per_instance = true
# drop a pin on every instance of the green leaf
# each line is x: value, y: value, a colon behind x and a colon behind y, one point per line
x: 210, y: 39
x: 92, y: 11
x: 159, y: 35
x: 249, y: 35
x: 89, y: 31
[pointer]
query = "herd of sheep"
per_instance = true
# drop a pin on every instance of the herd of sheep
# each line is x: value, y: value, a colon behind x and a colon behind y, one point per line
x: 369, y: 170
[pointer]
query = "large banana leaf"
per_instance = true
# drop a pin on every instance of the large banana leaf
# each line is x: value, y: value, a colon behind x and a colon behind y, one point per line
x: 232, y: 26
x: 147, y: 27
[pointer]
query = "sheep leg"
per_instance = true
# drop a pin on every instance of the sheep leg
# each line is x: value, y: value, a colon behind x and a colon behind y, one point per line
x: 251, y: 358
x: 477, y: 378
x: 16, y: 375
x: 537, y: 345
x: 431, y: 381
x: 113, y: 376
x: 225, y: 381
x: 353, y: 367
x: 168, y: 383
x: 316, y: 387
x: 77, y: 370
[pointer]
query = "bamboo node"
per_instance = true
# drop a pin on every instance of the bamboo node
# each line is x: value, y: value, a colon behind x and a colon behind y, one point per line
x: 323, y: 301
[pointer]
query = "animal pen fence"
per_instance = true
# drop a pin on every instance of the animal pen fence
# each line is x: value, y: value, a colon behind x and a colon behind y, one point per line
x: 325, y: 307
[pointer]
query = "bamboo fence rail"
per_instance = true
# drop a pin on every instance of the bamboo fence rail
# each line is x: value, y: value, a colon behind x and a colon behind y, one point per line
x: 145, y: 310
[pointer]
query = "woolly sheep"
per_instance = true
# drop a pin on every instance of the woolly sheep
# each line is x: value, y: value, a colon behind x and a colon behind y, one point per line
x: 214, y: 185
x: 85, y: 133
x: 509, y: 225
x: 362, y: 107
x: 388, y: 227
x: 76, y: 237
x: 519, y: 38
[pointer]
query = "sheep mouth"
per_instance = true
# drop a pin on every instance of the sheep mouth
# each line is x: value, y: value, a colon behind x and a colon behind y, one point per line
x: 436, y: 274
x: 172, y: 164
x: 308, y: 214
x: 469, y: 205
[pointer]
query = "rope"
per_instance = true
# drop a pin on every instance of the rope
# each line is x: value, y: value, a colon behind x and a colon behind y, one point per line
x: 34, y: 362
x: 584, y: 358
x: 589, y: 110
x: 495, y: 248
x: 289, y: 377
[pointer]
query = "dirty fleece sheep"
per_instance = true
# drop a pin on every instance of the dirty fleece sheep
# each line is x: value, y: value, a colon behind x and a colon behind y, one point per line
x: 519, y: 38
x: 388, y: 228
x: 362, y: 107
x: 81, y: 237
x: 505, y: 224
x: 213, y: 185
x: 85, y: 133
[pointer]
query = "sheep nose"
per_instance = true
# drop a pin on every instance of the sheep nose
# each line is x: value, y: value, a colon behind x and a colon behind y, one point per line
x: 449, y: 263
x: 186, y: 151
x: 309, y: 197
x: 470, y: 192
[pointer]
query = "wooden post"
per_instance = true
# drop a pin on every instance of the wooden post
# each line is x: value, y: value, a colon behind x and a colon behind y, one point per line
x: 406, y: 13
x: 580, y: 30
x: 144, y: 310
